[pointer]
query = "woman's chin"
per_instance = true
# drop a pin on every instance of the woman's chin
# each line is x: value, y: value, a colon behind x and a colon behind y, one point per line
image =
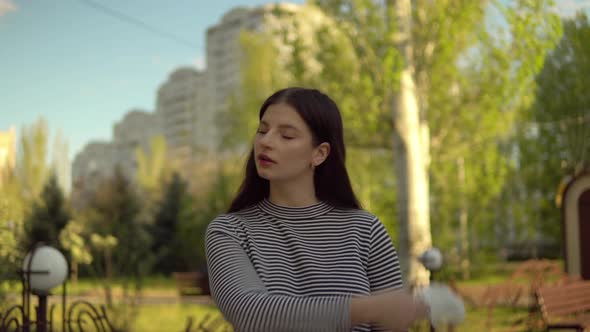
x: 264, y: 174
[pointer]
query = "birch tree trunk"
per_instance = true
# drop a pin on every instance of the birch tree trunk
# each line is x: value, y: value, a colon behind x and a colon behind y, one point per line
x: 411, y: 160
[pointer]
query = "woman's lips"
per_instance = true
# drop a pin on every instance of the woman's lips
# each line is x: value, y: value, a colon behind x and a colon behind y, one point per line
x: 265, y: 163
x: 265, y: 160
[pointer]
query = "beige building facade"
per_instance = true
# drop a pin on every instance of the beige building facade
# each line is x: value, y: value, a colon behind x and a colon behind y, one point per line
x: 99, y: 159
x: 182, y: 116
x: 7, y: 150
x: 136, y: 129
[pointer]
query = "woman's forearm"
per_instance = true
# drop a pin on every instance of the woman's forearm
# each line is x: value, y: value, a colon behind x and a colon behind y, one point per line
x: 361, y: 310
x: 393, y: 310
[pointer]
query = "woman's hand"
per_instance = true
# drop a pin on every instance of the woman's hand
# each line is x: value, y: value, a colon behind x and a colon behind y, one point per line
x: 394, y: 310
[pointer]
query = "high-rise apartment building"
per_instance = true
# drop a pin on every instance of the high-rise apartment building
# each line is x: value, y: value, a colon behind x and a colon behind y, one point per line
x: 224, y: 54
x: 180, y: 108
x: 136, y: 129
x: 98, y: 160
x: 91, y: 167
x: 133, y: 132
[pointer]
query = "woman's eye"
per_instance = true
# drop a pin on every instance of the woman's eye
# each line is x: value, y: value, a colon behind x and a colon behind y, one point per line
x: 261, y: 131
x: 288, y: 137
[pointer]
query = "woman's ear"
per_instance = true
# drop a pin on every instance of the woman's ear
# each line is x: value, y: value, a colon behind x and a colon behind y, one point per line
x: 320, y: 154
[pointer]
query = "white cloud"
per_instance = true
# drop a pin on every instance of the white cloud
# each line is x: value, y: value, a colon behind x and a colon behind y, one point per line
x: 7, y: 6
x: 199, y: 62
x: 570, y: 7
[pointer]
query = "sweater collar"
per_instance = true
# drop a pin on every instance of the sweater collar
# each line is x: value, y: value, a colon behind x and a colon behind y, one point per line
x: 294, y: 213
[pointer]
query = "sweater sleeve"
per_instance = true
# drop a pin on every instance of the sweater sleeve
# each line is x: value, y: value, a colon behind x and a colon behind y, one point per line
x: 383, y: 267
x: 244, y: 301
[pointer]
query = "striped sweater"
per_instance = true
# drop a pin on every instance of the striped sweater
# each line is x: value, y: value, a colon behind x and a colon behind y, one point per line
x: 276, y: 268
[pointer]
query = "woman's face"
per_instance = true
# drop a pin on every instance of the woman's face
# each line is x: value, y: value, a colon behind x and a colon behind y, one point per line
x: 283, y: 147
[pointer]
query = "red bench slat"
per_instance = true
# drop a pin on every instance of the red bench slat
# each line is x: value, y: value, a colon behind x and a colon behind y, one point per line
x: 566, y: 305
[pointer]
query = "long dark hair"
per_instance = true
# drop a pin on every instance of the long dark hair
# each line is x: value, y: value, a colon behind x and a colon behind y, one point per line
x: 322, y: 116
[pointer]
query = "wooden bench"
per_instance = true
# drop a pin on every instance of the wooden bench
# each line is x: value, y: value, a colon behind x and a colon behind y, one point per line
x: 520, y: 290
x: 523, y: 283
x: 566, y: 306
x: 192, y: 283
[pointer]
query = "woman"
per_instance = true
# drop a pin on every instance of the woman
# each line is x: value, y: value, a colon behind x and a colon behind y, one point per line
x: 295, y: 252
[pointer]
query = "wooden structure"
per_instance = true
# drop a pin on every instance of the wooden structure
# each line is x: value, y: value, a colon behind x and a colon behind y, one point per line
x: 566, y: 306
x: 522, y: 284
x: 192, y: 283
x: 574, y: 199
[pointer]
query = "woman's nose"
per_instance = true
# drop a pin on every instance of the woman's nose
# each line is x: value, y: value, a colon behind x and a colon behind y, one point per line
x: 266, y: 140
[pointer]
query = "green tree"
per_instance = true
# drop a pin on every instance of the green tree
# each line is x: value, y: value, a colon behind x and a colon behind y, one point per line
x: 9, y: 253
x: 471, y: 80
x: 114, y: 218
x: 21, y: 185
x: 32, y: 170
x: 153, y: 166
x: 72, y: 239
x: 197, y: 214
x: 554, y: 140
x: 374, y: 188
x: 8, y: 243
x: 166, y: 227
x: 20, y: 194
x: 561, y: 109
x: 491, y: 90
x: 48, y: 216
x: 12, y: 215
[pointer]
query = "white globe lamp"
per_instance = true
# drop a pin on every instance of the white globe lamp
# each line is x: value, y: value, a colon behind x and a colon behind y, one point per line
x: 432, y: 259
x: 47, y: 269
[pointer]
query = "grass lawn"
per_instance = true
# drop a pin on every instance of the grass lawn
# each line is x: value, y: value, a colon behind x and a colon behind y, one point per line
x: 150, y: 317
x: 503, y: 319
x: 89, y: 286
x: 174, y: 316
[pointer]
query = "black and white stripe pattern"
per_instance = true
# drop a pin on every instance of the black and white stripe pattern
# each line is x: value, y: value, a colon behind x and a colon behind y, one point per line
x: 276, y: 268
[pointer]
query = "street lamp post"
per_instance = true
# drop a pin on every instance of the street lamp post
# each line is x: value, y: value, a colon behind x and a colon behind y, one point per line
x: 432, y: 260
x: 44, y: 268
x: 446, y: 308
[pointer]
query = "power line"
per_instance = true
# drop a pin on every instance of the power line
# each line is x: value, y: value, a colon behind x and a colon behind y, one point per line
x: 134, y: 21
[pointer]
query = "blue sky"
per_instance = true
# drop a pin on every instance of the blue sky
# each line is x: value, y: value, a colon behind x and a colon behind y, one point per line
x: 83, y: 70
